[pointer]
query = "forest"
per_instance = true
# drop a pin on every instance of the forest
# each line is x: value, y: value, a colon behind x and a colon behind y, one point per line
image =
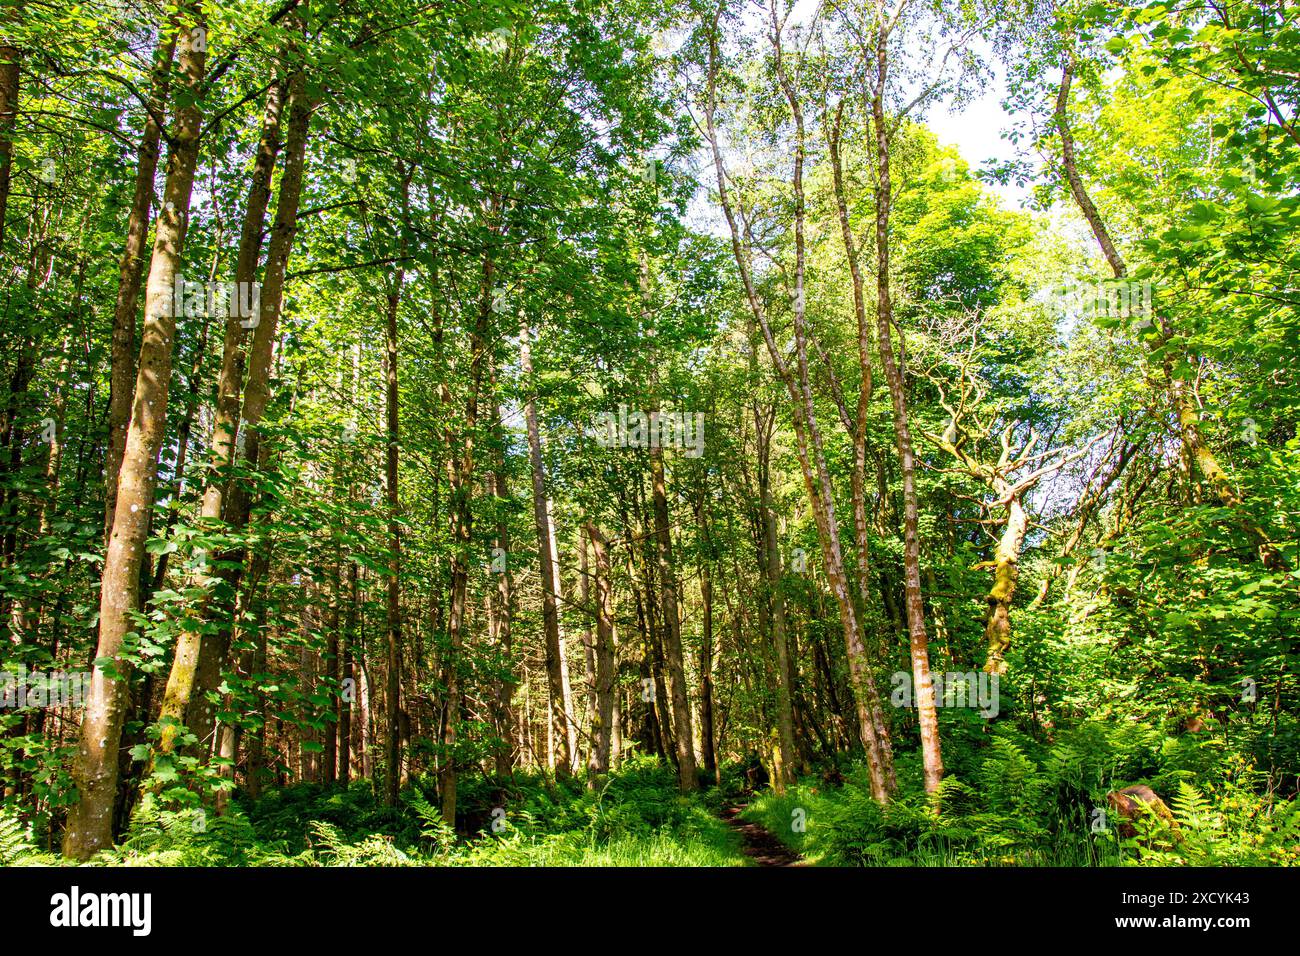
x: 621, y: 433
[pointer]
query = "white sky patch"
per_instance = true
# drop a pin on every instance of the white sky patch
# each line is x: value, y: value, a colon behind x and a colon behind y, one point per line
x: 803, y: 11
x: 976, y: 128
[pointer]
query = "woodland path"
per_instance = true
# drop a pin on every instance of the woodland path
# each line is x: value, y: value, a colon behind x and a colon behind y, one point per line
x: 758, y: 843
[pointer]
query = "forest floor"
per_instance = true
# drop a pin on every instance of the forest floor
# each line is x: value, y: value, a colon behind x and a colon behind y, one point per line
x: 757, y: 842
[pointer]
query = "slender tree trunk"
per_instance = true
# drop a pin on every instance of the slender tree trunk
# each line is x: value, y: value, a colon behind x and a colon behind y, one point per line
x: 588, y: 640
x: 196, y: 668
x: 365, y: 715
x: 927, y: 716
x: 556, y: 664
x: 131, y: 269
x: 872, y: 728
x: 672, y: 629
x: 347, y: 642
x: 683, y: 732
x: 10, y: 68
x: 191, y: 658
x: 394, y: 753
x: 329, y: 758
x: 616, y: 729
x: 661, y: 700
x: 707, y: 734
x: 566, y: 683
x: 858, y: 430
x: 461, y: 474
x: 603, y: 713
x: 502, y: 605
x: 770, y: 567
x: 89, y: 827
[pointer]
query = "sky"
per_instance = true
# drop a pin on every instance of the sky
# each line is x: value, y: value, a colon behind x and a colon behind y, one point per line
x: 975, y: 129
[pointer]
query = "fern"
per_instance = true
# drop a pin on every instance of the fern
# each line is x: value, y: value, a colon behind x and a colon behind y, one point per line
x: 15, y: 840
x: 432, y: 826
x: 1009, y: 780
x: 1193, y: 811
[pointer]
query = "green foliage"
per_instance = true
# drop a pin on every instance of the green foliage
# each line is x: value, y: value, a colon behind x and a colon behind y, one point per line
x: 16, y: 844
x: 1033, y: 805
x: 636, y: 819
x: 1223, y: 824
x: 527, y: 167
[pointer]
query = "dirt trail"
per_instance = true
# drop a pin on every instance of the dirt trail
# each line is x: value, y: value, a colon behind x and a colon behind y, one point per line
x: 758, y: 844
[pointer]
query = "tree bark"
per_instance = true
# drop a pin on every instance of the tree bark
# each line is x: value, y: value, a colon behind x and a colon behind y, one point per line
x: 603, y: 714
x: 394, y: 751
x: 502, y: 611
x: 190, y: 656
x: 131, y: 270
x: 857, y: 426
x: 10, y: 70
x: 460, y: 470
x: 918, y: 640
x: 196, y: 668
x: 707, y: 731
x: 89, y: 826
x: 556, y: 664
x: 347, y: 642
x: 783, y: 758
x: 672, y: 627
x: 872, y: 728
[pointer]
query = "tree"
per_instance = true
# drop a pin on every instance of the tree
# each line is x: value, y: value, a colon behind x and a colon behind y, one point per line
x: 90, y: 822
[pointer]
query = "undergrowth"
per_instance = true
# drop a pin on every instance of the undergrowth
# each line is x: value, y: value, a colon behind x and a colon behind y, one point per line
x: 1021, y: 803
x: 636, y: 819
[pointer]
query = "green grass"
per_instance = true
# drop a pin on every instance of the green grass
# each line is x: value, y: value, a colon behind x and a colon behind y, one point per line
x: 777, y: 812
x: 710, y: 845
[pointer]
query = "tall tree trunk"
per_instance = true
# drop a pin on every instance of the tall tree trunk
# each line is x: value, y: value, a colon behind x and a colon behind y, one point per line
x: 347, y: 642
x: 603, y: 713
x: 707, y: 735
x: 196, y: 668
x: 89, y: 826
x: 394, y: 751
x: 10, y: 68
x: 872, y: 728
x: 679, y: 693
x: 566, y: 682
x: 927, y: 716
x: 460, y: 470
x: 502, y: 606
x: 250, y: 610
x: 131, y: 269
x: 672, y: 626
x: 783, y: 757
x: 365, y: 714
x: 858, y: 425
x: 329, y: 757
x: 222, y: 444
x: 588, y: 639
x: 556, y: 664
